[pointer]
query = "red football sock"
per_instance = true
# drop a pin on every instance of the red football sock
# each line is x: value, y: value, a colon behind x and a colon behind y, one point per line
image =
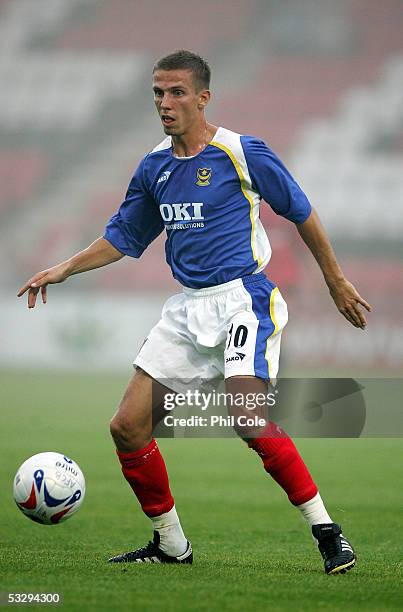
x: 146, y: 473
x: 284, y: 463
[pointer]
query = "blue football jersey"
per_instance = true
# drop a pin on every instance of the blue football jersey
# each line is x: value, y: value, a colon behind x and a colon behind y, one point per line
x: 209, y: 207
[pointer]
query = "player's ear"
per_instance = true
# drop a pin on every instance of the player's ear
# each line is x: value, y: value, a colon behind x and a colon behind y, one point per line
x: 204, y: 99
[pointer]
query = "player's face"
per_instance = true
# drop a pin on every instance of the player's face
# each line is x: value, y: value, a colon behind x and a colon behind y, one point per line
x: 178, y: 103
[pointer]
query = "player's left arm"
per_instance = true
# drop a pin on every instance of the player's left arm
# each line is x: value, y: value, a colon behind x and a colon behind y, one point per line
x: 274, y: 183
x: 344, y: 294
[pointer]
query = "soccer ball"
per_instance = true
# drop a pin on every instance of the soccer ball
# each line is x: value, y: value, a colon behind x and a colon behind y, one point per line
x: 49, y: 488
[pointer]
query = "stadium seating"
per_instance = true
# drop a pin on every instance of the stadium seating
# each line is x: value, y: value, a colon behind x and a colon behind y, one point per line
x: 22, y: 20
x: 20, y: 174
x: 340, y: 168
x: 63, y: 90
x: 113, y: 25
x: 333, y: 112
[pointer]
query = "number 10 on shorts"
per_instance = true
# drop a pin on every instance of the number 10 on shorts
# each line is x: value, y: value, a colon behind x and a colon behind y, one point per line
x: 240, y: 349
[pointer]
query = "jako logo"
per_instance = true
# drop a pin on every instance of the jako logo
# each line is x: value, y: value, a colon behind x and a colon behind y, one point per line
x: 164, y: 176
x: 237, y: 357
x: 190, y: 211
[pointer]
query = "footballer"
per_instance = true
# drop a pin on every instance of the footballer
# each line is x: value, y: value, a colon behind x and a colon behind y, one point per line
x: 203, y: 186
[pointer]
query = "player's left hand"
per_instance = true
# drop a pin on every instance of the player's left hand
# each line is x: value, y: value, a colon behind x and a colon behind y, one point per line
x: 349, y: 302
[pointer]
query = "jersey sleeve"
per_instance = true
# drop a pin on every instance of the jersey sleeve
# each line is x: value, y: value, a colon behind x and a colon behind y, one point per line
x: 271, y: 179
x: 138, y: 221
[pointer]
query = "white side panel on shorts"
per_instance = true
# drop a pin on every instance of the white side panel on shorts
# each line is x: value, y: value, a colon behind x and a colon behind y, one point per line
x: 279, y: 316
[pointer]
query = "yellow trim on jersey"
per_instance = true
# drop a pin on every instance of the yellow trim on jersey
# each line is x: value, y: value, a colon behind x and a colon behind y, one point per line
x: 243, y: 185
x: 273, y: 295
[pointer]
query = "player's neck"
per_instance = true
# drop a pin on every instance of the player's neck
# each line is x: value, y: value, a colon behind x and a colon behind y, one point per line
x: 194, y: 142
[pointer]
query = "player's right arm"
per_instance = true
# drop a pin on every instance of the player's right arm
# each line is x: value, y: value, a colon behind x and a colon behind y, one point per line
x: 100, y: 253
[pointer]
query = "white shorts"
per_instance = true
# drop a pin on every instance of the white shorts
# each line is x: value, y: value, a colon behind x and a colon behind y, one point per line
x: 227, y: 330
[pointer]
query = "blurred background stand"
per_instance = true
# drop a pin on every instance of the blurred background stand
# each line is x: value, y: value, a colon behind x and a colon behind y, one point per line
x: 320, y: 81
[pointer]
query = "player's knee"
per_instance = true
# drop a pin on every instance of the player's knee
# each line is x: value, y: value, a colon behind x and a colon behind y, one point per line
x: 127, y: 434
x: 121, y: 430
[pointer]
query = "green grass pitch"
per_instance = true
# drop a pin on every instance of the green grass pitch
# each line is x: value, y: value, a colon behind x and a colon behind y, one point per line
x: 252, y: 549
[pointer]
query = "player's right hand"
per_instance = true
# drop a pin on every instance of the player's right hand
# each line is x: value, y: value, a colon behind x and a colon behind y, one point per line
x: 40, y: 281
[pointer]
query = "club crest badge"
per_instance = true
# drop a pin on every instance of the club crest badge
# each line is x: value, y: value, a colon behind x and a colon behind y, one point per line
x: 203, y: 177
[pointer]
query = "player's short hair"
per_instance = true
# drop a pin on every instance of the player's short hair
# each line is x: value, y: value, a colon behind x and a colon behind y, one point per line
x: 186, y: 60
